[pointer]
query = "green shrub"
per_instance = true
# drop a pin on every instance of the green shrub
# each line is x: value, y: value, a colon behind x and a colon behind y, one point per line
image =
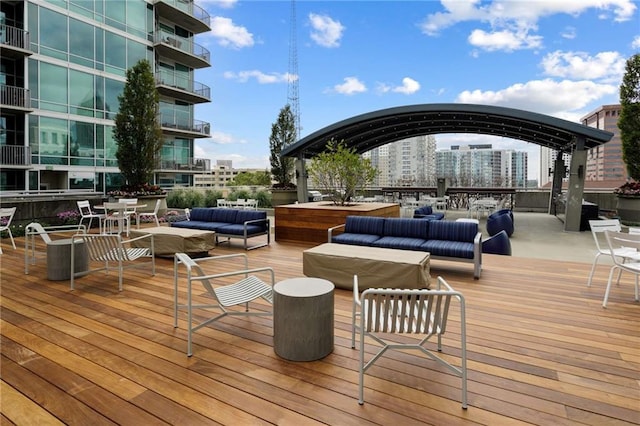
x: 263, y: 198
x: 211, y: 197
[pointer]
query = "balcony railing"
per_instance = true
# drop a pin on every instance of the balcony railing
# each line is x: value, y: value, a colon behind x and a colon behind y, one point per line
x: 182, y: 44
x: 173, y: 121
x: 13, y: 96
x: 179, y: 82
x: 193, y: 164
x: 14, y: 37
x: 190, y: 8
x: 15, y: 155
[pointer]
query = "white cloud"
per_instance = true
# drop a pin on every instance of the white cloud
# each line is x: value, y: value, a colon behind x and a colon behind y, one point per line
x: 409, y: 86
x: 568, y: 33
x: 504, y: 40
x: 259, y: 76
x: 350, y: 86
x: 326, y: 32
x: 229, y: 34
x: 221, y: 138
x: 579, y: 65
x: 635, y: 44
x: 511, y: 22
x: 556, y: 98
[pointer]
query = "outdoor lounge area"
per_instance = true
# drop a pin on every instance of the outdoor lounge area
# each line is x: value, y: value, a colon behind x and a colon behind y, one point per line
x: 540, y: 350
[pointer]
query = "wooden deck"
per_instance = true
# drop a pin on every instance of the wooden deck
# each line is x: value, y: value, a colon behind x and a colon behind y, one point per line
x: 541, y: 350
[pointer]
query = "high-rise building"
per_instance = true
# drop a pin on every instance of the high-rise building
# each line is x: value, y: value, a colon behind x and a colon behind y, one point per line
x: 604, y: 162
x: 481, y: 166
x: 412, y: 161
x: 63, y: 65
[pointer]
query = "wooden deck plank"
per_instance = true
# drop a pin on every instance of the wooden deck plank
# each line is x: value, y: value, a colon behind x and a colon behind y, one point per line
x: 541, y: 350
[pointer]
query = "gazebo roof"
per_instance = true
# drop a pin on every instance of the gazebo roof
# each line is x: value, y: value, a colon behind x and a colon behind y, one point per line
x: 367, y: 131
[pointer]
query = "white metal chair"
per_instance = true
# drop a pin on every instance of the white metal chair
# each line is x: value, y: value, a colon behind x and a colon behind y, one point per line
x: 221, y: 202
x: 115, y: 215
x: 425, y: 312
x: 248, y: 289
x: 598, y: 227
x: 631, y: 261
x: 6, y: 216
x: 45, y: 232
x: 111, y: 249
x: 87, y: 213
x: 149, y: 215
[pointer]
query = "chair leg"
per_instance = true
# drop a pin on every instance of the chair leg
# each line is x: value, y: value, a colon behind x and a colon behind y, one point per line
x: 606, y: 293
x: 13, y: 243
x: 593, y: 269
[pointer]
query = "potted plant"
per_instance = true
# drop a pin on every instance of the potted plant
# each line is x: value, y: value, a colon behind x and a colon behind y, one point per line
x: 340, y: 171
x: 629, y: 124
x: 283, y: 133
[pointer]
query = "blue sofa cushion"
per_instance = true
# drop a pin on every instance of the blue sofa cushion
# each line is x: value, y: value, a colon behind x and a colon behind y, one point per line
x: 238, y: 229
x: 223, y: 215
x: 410, y: 228
x: 423, y: 211
x: 403, y: 243
x: 364, y: 225
x: 243, y: 216
x: 355, y: 239
x: 449, y: 248
x: 444, y: 230
x: 201, y: 214
x: 198, y: 224
x: 433, y: 216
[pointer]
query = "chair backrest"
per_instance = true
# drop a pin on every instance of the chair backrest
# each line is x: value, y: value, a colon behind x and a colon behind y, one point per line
x: 634, y: 231
x: 155, y: 209
x: 35, y: 228
x: 128, y: 200
x: 104, y: 247
x: 620, y: 240
x: 6, y: 215
x: 84, y: 207
x: 406, y: 311
x: 192, y: 266
x: 599, y: 226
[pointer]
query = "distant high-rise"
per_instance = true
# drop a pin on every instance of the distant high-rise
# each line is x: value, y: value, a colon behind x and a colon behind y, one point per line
x: 409, y: 162
x: 63, y: 65
x: 604, y: 162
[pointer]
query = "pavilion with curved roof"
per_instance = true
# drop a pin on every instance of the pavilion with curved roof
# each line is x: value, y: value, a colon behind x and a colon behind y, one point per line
x: 371, y: 130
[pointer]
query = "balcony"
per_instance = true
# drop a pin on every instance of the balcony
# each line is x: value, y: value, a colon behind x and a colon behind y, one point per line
x: 176, y: 126
x: 14, y: 98
x: 176, y: 86
x: 14, y: 42
x: 181, y: 49
x: 184, y: 13
x: 15, y: 155
x: 202, y: 165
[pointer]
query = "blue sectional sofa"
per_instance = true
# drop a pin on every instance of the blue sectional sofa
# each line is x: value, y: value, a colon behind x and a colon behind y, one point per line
x: 426, y: 212
x: 443, y: 239
x: 229, y: 223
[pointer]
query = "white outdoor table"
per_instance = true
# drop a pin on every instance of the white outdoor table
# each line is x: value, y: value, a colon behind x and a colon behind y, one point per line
x: 303, y: 318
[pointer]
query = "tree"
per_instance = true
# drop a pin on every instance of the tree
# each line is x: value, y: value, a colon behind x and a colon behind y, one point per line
x: 251, y: 179
x: 340, y: 171
x: 137, y: 130
x: 283, y: 133
x: 629, y: 120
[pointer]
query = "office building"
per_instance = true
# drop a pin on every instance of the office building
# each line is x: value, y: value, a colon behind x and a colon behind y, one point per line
x: 63, y: 65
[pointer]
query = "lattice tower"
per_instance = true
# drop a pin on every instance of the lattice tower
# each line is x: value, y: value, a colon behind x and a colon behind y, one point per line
x: 293, y: 97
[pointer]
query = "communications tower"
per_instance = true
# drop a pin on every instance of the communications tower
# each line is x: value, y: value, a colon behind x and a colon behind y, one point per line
x: 292, y: 78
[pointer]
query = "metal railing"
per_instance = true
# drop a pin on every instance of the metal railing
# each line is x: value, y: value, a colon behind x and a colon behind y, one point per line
x: 14, y: 96
x: 190, y: 8
x: 182, y: 43
x: 173, y: 121
x: 193, y: 164
x: 172, y: 79
x: 15, y: 155
x: 14, y: 37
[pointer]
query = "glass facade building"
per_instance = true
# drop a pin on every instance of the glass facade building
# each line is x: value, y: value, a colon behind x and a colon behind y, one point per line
x: 63, y: 66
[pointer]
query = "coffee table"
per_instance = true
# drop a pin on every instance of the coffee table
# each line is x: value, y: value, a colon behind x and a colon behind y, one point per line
x: 168, y: 241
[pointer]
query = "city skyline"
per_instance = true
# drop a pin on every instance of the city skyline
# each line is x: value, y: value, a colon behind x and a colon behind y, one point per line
x: 563, y: 59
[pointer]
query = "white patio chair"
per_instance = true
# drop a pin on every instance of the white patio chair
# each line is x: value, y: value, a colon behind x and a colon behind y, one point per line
x: 6, y: 216
x: 221, y: 202
x: 149, y: 215
x: 115, y: 215
x: 425, y: 312
x: 629, y: 263
x: 130, y: 211
x: 598, y: 227
x: 248, y: 289
x: 45, y: 232
x: 111, y: 249
x: 87, y: 213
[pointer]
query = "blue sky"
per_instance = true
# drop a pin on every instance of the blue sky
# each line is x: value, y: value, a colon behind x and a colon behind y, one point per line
x: 561, y: 58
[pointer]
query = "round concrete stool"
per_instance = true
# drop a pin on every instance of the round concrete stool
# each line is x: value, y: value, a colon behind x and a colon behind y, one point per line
x: 303, y: 318
x: 59, y: 259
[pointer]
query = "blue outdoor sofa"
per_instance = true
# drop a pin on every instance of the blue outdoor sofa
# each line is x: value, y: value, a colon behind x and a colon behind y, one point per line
x: 229, y: 223
x: 426, y: 212
x: 443, y: 239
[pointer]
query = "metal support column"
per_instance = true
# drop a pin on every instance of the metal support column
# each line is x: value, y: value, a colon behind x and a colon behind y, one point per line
x: 575, y: 191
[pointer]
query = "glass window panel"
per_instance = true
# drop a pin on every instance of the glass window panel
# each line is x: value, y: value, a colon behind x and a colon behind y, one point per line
x: 115, y: 11
x: 113, y: 89
x: 115, y: 50
x: 53, y: 87
x: 135, y: 52
x: 110, y: 145
x: 81, y: 180
x: 82, y: 7
x: 82, y: 137
x: 33, y: 26
x: 54, y: 137
x: 33, y: 82
x: 81, y: 43
x: 54, y: 30
x: 99, y: 104
x: 99, y: 49
x: 81, y: 96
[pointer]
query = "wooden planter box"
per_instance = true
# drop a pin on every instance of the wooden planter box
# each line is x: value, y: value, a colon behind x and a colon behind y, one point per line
x: 308, y: 222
